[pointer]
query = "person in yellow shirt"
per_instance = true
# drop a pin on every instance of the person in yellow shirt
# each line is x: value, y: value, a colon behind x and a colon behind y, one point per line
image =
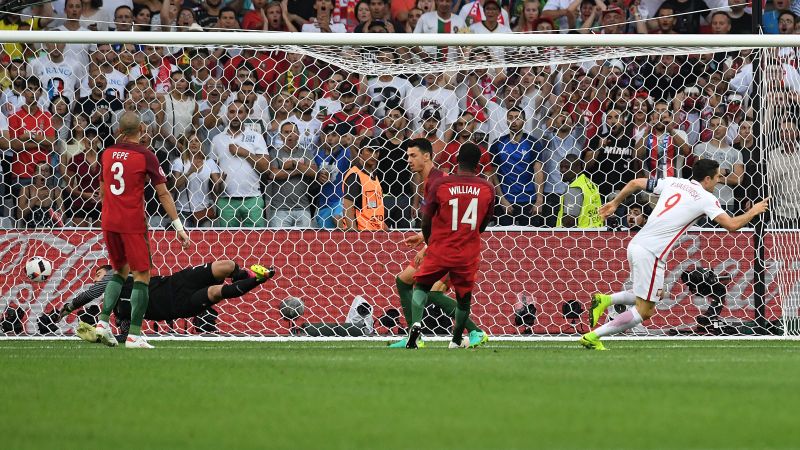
x: 363, y: 197
x: 581, y: 203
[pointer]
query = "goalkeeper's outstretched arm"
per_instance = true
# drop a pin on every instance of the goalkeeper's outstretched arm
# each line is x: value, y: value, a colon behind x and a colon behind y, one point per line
x: 94, y: 291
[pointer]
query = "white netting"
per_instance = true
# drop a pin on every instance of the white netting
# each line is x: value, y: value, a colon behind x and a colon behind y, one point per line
x: 307, y: 113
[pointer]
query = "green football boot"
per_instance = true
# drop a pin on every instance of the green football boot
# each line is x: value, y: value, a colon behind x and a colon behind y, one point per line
x: 600, y: 302
x: 590, y: 341
x: 477, y: 338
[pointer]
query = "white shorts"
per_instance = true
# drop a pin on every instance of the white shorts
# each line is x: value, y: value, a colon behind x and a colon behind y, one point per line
x: 647, y: 273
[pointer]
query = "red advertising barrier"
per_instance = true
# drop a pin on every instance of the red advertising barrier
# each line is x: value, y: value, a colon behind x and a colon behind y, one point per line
x: 329, y: 269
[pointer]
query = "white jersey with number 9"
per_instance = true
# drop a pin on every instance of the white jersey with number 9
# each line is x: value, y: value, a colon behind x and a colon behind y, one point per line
x: 681, y: 202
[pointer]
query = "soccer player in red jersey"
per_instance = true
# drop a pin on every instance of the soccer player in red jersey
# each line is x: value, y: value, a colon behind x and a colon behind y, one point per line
x: 457, y: 209
x: 126, y: 167
x: 420, y: 161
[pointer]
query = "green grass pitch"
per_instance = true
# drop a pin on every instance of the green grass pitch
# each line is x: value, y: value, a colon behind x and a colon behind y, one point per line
x: 350, y: 395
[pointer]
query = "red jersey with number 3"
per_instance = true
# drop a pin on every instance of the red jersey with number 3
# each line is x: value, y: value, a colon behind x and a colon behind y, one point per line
x: 126, y: 168
x: 459, y: 205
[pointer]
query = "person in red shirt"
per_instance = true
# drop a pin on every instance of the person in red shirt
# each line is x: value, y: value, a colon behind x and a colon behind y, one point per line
x: 31, y: 134
x: 420, y: 161
x: 457, y: 209
x: 126, y: 166
x: 363, y: 123
x: 463, y: 129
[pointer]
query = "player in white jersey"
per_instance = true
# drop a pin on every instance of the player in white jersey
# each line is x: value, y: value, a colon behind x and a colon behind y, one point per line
x: 681, y: 202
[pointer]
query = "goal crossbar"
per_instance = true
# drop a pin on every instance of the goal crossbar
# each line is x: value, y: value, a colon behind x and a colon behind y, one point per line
x: 401, y: 39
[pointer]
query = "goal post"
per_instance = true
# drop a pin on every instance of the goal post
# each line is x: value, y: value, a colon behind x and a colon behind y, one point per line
x: 622, y: 106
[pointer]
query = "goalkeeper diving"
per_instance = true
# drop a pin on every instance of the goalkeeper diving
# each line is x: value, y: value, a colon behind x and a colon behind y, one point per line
x: 184, y: 294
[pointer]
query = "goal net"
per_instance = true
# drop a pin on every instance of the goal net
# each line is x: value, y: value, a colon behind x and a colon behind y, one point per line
x: 256, y: 141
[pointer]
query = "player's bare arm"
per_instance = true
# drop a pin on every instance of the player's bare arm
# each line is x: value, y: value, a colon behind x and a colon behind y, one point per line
x: 737, y: 222
x: 633, y: 186
x: 166, y: 200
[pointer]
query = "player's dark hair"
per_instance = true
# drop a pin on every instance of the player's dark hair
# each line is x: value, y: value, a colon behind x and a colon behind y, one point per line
x: 704, y: 168
x: 105, y: 267
x: 423, y: 145
x: 469, y: 156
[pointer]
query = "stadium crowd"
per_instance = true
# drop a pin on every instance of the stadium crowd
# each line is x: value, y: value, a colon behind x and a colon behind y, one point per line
x: 256, y: 138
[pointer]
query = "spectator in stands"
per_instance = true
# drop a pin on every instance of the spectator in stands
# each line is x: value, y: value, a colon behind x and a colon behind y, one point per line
x: 56, y: 74
x: 529, y: 17
x: 611, y: 158
x: 227, y: 20
x: 363, y: 17
x: 393, y: 170
x: 386, y: 91
x: 83, y: 183
x: 39, y: 203
x: 433, y: 94
x: 212, y: 109
x: 731, y: 164
x: 308, y: 125
x: 741, y: 22
x: 581, y: 202
x: 181, y: 112
x: 380, y: 12
x: 463, y: 131
x: 426, y: 5
x: 665, y: 20
x: 62, y: 122
x: 282, y: 106
x: 752, y: 178
x: 293, y: 168
x: 720, y: 23
x: 431, y: 119
x: 639, y: 113
x: 242, y: 156
x: 322, y: 22
x: 660, y: 148
x: 73, y: 9
x: 663, y: 76
x: 197, y: 182
x: 329, y: 103
x: 77, y: 141
x: 562, y: 13
x: 333, y: 160
x: 363, y: 124
x: 93, y: 16
x: 771, y: 18
x: 516, y: 158
x: 637, y: 216
x: 474, y: 12
x: 783, y: 165
x: 135, y: 101
x: 414, y: 15
x: 690, y: 15
x: 98, y: 107
x: 142, y: 17
x: 123, y: 18
x: 363, y: 197
x: 442, y: 20
x: 207, y: 13
x: 31, y: 134
x: 561, y: 139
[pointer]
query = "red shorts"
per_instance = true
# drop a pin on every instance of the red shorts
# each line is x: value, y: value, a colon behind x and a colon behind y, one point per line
x: 462, y: 278
x: 414, y: 266
x: 132, y: 249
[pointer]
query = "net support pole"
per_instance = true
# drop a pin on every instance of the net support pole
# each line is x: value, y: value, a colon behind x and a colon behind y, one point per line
x: 759, y: 265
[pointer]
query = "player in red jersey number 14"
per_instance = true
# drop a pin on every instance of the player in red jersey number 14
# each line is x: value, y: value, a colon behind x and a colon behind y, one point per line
x: 457, y: 210
x: 126, y: 167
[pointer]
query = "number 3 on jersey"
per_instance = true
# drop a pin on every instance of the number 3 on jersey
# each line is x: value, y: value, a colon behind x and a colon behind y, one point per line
x: 117, y: 169
x: 470, y: 215
x: 670, y: 203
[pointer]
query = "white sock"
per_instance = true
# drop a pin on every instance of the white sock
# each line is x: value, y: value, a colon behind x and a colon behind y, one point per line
x: 623, y: 298
x: 103, y: 324
x: 622, y: 322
